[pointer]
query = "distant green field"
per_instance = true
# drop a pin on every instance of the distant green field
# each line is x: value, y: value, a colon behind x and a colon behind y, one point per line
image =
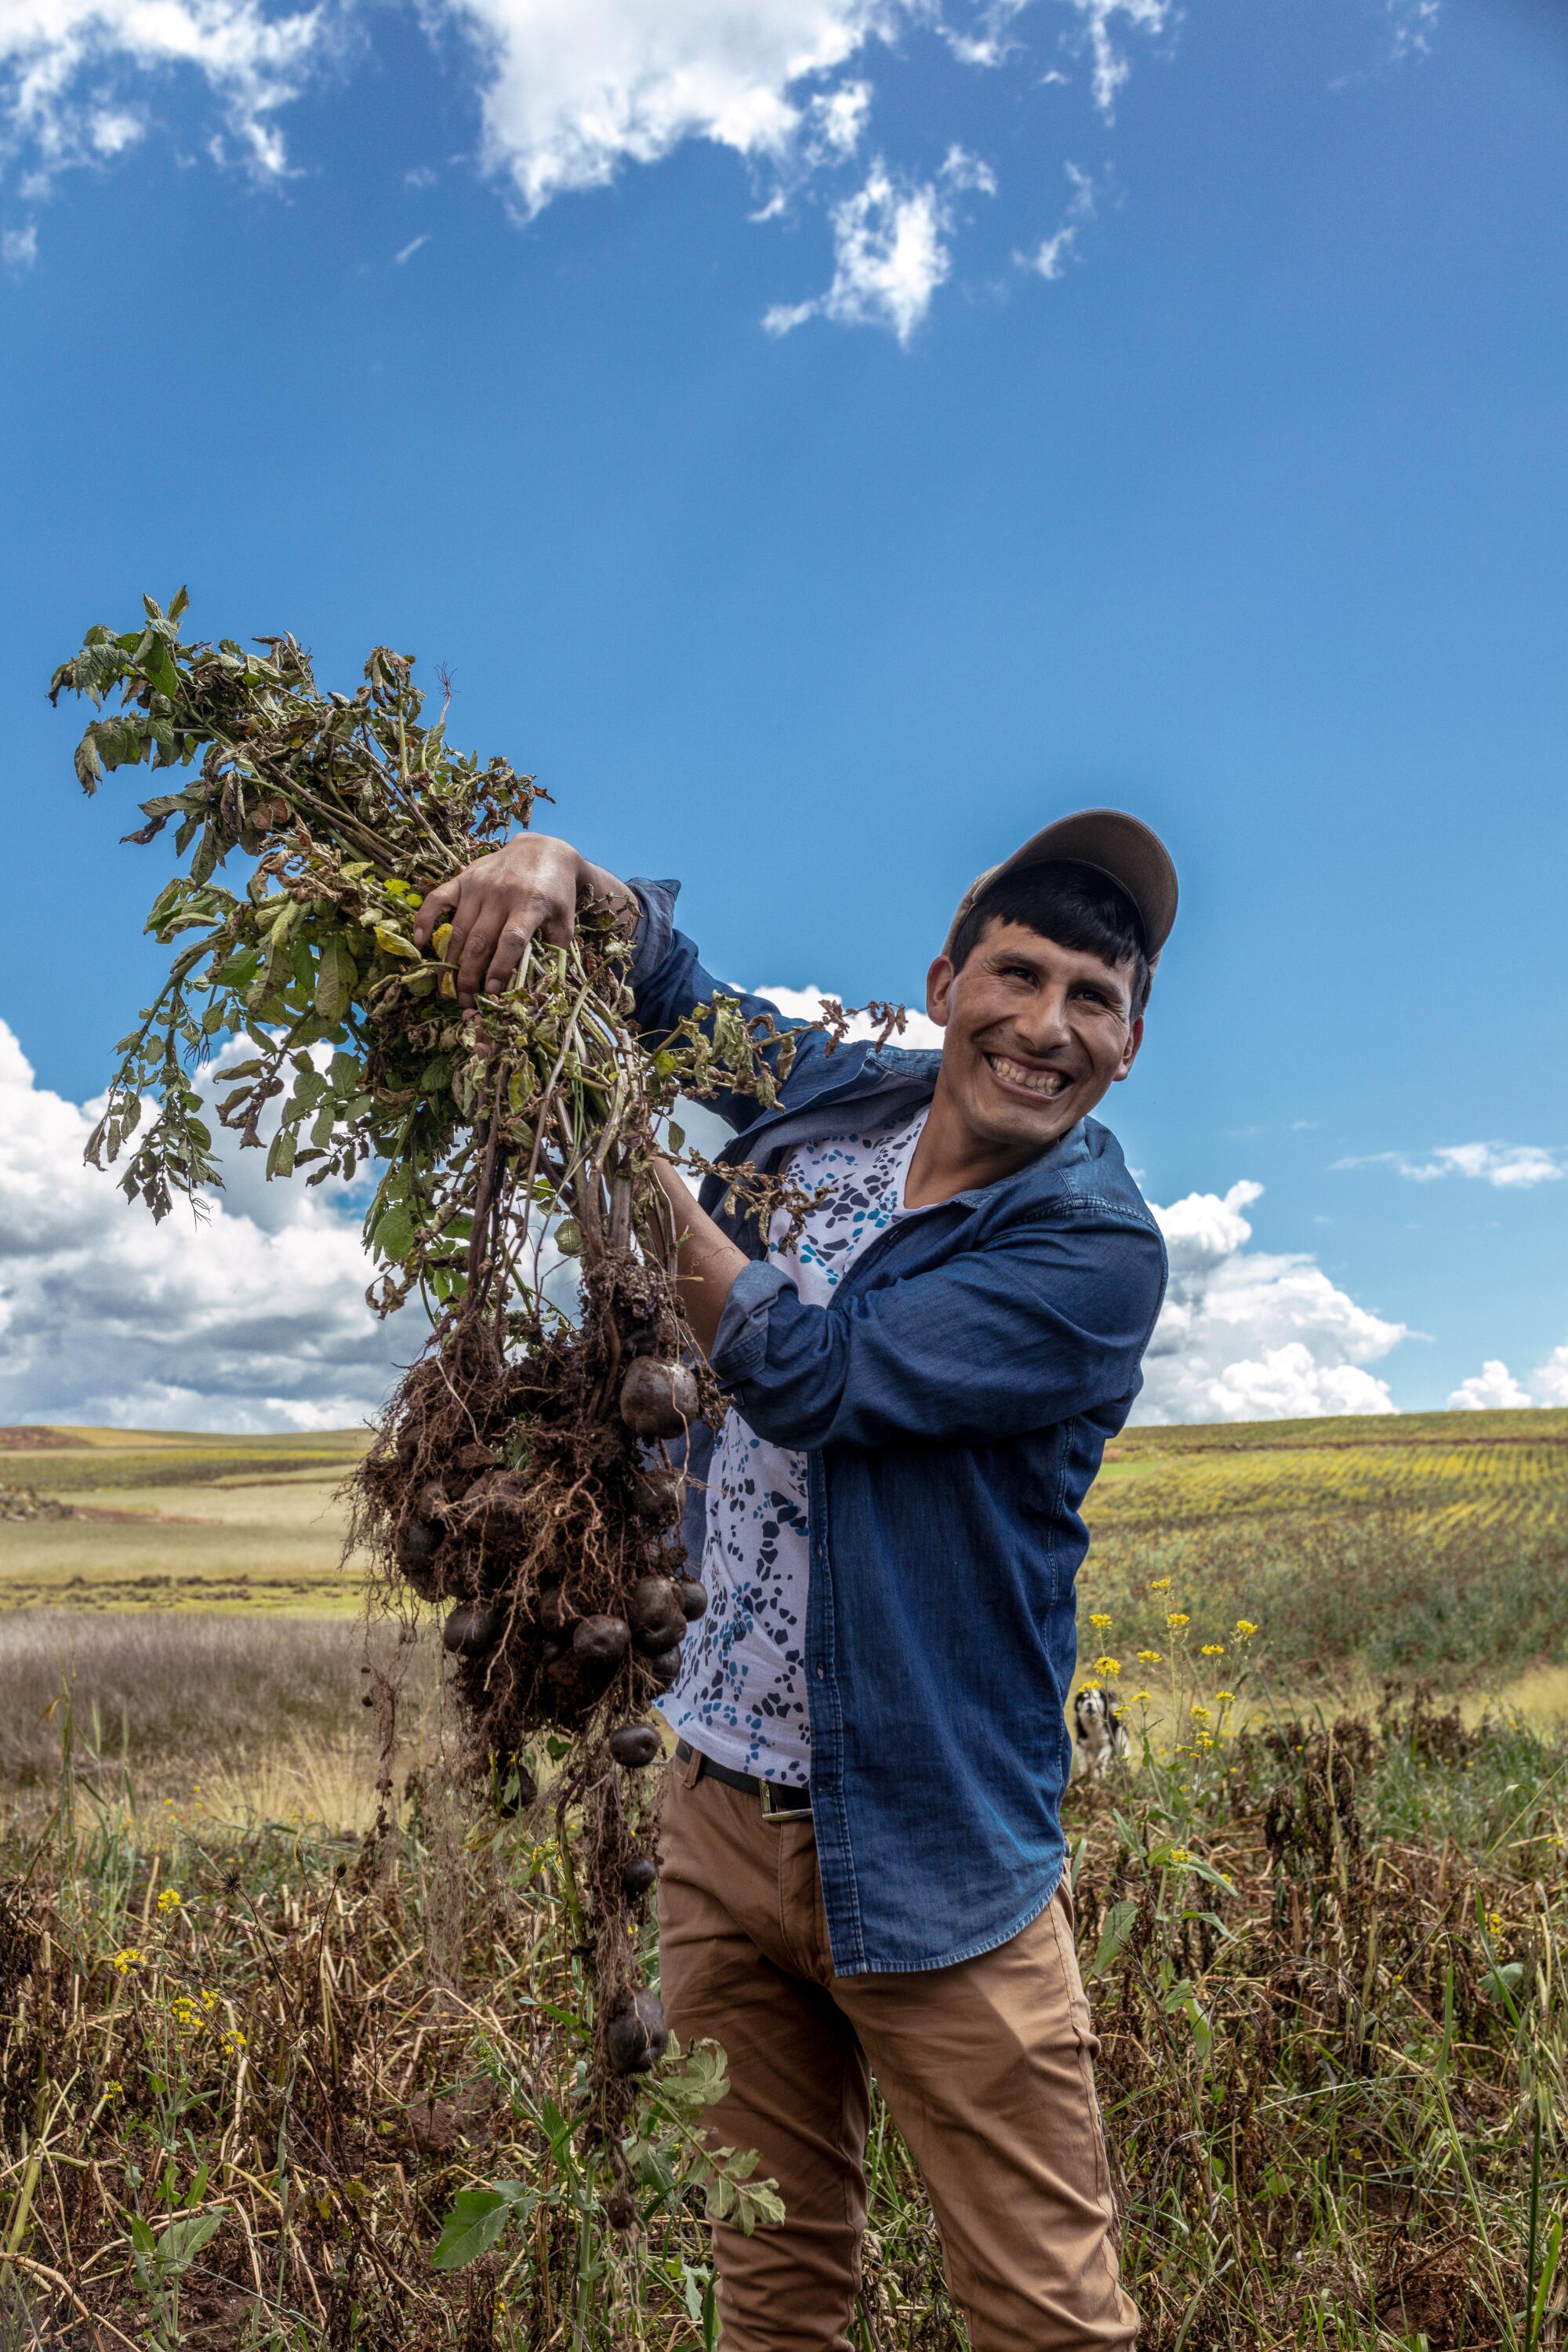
x: 1422, y: 1543
x: 174, y: 1520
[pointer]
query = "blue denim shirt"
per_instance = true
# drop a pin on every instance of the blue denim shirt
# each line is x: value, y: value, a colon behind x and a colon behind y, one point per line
x: 952, y: 1400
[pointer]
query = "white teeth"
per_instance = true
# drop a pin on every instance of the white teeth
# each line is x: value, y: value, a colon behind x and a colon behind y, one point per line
x: 1038, y: 1082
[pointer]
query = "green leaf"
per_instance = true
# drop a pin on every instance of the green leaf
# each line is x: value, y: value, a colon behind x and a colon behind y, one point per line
x: 395, y: 1234
x: 160, y: 669
x: 335, y: 977
x: 1113, y: 1936
x: 182, y: 2242
x: 280, y: 1157
x: 475, y: 2220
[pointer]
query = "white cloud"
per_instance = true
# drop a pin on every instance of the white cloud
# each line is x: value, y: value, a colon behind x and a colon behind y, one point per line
x: 1413, y: 23
x: 805, y: 1004
x: 572, y: 93
x: 1512, y: 1167
x: 1248, y: 1335
x: 1050, y: 256
x: 1110, y: 66
x: 253, y: 1318
x: 410, y: 248
x: 19, y: 248
x: 577, y: 88
x: 890, y: 250
x: 1551, y: 1378
x: 1492, y: 1390
x: 60, y: 60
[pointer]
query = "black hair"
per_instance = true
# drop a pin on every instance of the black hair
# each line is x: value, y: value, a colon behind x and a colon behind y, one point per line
x: 1077, y: 906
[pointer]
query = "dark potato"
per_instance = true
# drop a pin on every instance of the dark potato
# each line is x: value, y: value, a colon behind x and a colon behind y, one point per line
x: 664, y: 1666
x: 472, y: 1628
x: 635, y: 1744
x: 639, y: 1876
x: 693, y: 1599
x: 637, y: 2035
x: 518, y: 1799
x: 417, y: 1545
x: 652, y: 1600
x: 658, y: 1400
x: 656, y: 1495
x: 665, y: 1634
x: 601, y: 1641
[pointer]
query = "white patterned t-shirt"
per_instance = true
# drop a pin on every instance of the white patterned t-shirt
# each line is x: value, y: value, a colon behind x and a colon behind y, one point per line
x: 740, y: 1695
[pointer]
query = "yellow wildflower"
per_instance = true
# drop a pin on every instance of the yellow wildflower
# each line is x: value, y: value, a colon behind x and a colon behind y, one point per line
x: 1202, y: 1714
x: 1100, y: 1621
x: 1139, y: 1698
x: 128, y: 1959
x: 1178, y: 1857
x: 1177, y: 1617
x: 1107, y: 1665
x: 1148, y: 1657
x: 1244, y: 1629
x: 1161, y: 1584
x: 1089, y: 1682
x: 1226, y: 1699
x: 169, y: 1900
x: 1494, y: 1923
x: 1214, y: 1650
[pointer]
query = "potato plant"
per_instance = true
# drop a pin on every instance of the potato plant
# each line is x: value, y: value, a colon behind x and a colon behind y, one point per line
x: 523, y: 1475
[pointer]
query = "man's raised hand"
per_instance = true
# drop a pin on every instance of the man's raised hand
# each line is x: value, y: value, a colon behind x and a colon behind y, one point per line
x: 528, y: 889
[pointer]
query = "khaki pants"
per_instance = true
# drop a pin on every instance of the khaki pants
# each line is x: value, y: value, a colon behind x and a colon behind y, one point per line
x: 986, y: 2068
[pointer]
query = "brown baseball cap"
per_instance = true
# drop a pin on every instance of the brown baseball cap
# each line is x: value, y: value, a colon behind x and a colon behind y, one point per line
x: 1120, y: 845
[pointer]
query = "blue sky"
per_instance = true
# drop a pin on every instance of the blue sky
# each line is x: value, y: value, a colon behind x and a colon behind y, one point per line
x: 825, y: 439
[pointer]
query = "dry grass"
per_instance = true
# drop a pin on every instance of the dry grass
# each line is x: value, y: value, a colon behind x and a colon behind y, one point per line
x: 1325, y: 1927
x: 202, y: 1694
x: 1326, y: 1968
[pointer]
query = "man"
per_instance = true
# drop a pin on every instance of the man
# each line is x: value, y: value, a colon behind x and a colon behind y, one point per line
x: 861, y: 1856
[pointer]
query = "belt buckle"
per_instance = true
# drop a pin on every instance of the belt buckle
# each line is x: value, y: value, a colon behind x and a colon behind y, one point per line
x: 773, y: 1811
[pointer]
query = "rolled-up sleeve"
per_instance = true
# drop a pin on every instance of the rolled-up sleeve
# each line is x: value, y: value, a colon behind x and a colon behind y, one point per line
x: 654, y: 931
x: 1049, y: 1319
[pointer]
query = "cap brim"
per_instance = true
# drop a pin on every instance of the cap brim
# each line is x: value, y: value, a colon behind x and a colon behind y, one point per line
x: 1122, y: 846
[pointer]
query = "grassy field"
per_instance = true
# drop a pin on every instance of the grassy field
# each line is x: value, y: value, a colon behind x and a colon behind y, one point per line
x: 171, y: 1521
x: 260, y: 2039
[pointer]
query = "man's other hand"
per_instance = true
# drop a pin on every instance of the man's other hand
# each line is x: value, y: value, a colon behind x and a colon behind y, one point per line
x: 529, y: 889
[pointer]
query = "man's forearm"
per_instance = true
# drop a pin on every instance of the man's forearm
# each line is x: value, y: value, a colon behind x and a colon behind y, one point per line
x: 708, y: 1262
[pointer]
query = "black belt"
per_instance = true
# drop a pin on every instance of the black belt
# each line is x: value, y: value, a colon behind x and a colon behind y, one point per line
x: 778, y: 1803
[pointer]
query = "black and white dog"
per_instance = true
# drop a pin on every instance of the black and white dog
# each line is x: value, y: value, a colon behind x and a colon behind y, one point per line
x: 1101, y: 1738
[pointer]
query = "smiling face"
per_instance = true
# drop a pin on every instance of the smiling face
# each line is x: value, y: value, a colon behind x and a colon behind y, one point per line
x: 1036, y: 1033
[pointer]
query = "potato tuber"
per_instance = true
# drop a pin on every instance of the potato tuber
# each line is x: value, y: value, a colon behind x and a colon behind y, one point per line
x: 658, y: 1400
